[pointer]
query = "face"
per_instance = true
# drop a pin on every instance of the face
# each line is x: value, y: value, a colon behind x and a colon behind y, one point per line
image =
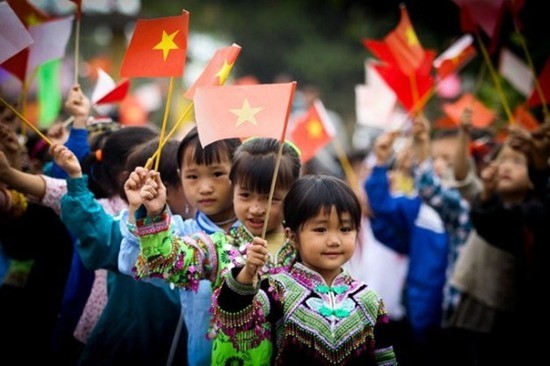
x: 443, y: 151
x: 513, y: 175
x: 251, y: 207
x: 175, y: 197
x: 208, y: 188
x: 326, y: 242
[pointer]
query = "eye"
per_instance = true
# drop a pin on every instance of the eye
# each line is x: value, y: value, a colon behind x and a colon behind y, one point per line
x: 346, y: 229
x: 191, y: 177
x: 320, y: 229
x: 219, y: 174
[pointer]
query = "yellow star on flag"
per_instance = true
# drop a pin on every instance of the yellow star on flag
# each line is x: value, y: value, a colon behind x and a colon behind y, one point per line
x: 314, y: 128
x: 32, y: 19
x: 166, y: 44
x: 412, y: 40
x: 224, y: 72
x: 246, y: 113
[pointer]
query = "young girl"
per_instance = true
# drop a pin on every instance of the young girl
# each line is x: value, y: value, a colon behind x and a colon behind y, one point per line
x: 139, y: 322
x: 316, y: 313
x: 205, y: 175
x: 184, y: 261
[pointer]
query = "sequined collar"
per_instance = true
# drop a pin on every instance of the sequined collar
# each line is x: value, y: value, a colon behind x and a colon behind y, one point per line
x: 314, y: 281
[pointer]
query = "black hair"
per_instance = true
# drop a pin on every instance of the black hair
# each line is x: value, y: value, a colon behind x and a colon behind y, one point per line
x: 254, y: 164
x: 212, y: 153
x: 167, y: 167
x: 315, y: 193
x: 104, y: 170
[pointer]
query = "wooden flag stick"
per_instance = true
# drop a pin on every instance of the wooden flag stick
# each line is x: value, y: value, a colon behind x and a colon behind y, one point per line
x: 168, y: 136
x: 164, y: 120
x: 25, y: 121
x: 495, y: 78
x: 76, y: 49
x: 531, y: 65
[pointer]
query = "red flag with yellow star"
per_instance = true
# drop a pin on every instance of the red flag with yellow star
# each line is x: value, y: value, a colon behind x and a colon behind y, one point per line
x: 217, y: 70
x: 158, y: 48
x: 401, y: 46
x: 312, y: 131
x: 241, y: 111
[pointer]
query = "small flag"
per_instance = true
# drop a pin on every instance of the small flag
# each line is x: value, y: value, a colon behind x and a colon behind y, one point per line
x: 544, y: 82
x: 50, y: 41
x: 241, y: 111
x: 455, y: 57
x: 482, y: 116
x: 158, y: 48
x: 513, y: 69
x: 400, y: 47
x: 106, y: 91
x: 217, y: 70
x: 13, y: 34
x: 312, y: 131
x: 28, y: 13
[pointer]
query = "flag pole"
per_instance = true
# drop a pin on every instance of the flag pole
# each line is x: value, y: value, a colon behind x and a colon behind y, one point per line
x: 494, y: 76
x: 25, y: 121
x: 530, y: 63
x: 76, y: 49
x: 164, y: 120
x: 168, y: 136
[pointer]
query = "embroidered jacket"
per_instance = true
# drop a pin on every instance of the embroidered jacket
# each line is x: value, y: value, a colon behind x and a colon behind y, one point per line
x: 308, y: 321
x: 185, y: 260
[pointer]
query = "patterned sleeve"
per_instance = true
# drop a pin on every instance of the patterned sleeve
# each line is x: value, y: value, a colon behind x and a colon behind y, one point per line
x: 241, y: 311
x: 383, y: 352
x: 449, y: 204
x: 181, y: 261
x: 55, y: 189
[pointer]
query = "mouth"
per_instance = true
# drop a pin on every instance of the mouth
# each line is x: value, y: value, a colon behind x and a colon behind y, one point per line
x: 206, y: 202
x: 255, y: 223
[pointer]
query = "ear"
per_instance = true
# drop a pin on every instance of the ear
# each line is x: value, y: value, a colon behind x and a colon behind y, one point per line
x: 291, y: 237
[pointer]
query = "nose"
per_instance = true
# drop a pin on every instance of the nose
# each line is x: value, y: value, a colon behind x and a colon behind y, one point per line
x: 333, y: 240
x: 257, y: 209
x: 205, y: 187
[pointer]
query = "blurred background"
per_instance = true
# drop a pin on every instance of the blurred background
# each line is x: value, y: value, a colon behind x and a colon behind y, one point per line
x: 317, y: 43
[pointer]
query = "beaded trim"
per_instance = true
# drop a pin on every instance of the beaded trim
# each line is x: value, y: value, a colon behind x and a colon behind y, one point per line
x: 240, y: 288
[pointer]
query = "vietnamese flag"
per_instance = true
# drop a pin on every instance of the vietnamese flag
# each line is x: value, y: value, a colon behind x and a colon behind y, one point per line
x: 404, y: 44
x: 217, y: 70
x: 409, y: 90
x: 28, y: 13
x: 312, y: 131
x: 525, y: 118
x: 158, y: 48
x: 242, y: 111
x: 455, y: 57
x: 482, y: 116
x: 400, y: 47
x: 544, y: 83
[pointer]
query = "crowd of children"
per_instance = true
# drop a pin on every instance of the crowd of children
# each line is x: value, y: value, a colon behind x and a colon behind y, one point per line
x: 229, y: 254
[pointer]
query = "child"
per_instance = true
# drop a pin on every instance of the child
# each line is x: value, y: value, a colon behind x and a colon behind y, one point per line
x: 316, y: 313
x: 205, y: 175
x: 510, y: 215
x: 184, y: 261
x: 139, y: 322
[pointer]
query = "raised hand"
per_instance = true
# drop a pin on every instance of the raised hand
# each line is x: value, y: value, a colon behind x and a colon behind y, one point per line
x: 489, y: 179
x: 256, y: 257
x: 153, y: 194
x: 383, y: 148
x: 78, y: 105
x: 133, y: 185
x: 66, y: 160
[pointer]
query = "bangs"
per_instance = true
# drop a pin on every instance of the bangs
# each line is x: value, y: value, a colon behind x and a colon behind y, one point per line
x: 256, y: 174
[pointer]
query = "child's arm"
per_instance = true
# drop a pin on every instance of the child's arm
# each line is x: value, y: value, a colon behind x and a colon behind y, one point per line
x: 29, y: 184
x: 461, y: 158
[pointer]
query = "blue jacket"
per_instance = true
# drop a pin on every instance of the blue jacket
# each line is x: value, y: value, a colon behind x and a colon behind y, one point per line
x: 409, y: 226
x: 140, y: 321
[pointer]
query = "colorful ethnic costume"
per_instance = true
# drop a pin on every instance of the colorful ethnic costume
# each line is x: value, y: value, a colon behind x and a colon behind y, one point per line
x: 184, y: 261
x: 308, y: 321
